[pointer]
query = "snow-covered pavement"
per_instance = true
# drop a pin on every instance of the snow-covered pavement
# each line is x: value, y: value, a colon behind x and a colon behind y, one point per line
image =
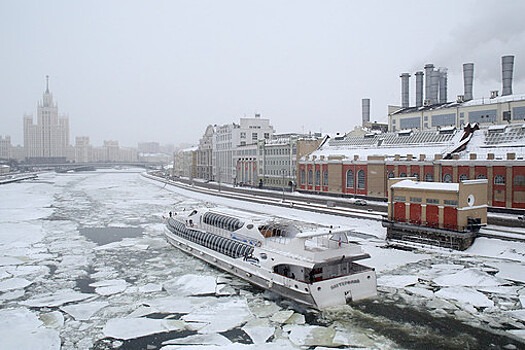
x: 63, y: 286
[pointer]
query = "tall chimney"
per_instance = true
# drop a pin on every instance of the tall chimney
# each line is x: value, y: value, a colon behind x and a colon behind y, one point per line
x: 434, y: 86
x: 507, y: 67
x: 405, y: 90
x: 428, y: 78
x: 443, y: 85
x: 419, y: 89
x: 468, y: 78
x: 365, y: 110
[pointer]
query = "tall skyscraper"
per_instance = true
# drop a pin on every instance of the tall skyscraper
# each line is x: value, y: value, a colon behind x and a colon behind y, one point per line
x: 48, y: 139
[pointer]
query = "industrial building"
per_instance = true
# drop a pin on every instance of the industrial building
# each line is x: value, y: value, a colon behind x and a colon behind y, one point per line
x: 435, y: 142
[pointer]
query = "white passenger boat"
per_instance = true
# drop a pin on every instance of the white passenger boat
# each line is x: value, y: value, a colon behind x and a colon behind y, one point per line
x: 316, y: 268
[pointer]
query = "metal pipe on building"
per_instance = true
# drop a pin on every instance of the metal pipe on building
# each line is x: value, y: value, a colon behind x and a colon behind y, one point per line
x: 468, y: 78
x: 405, y: 90
x: 507, y: 67
x: 428, y: 77
x: 419, y: 88
x: 365, y: 110
x: 443, y: 85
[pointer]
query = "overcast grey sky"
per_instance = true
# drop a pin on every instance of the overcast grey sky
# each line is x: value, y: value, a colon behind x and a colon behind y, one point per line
x: 137, y: 71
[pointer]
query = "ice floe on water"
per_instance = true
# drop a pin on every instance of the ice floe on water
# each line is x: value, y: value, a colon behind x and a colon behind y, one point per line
x: 61, y: 288
x: 21, y: 329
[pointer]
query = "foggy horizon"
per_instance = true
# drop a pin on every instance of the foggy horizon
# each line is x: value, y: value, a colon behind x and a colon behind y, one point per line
x: 135, y: 71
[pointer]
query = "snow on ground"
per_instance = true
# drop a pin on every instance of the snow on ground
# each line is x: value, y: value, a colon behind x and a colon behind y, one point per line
x: 58, y: 287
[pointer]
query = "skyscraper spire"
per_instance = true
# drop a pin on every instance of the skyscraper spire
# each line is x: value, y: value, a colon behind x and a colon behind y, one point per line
x: 47, y: 84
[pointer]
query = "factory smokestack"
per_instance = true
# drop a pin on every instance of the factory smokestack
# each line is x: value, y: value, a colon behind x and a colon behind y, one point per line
x: 507, y: 67
x: 443, y: 85
x: 468, y: 78
x: 428, y: 81
x: 365, y: 110
x: 434, y: 87
x: 405, y: 92
x: 419, y: 89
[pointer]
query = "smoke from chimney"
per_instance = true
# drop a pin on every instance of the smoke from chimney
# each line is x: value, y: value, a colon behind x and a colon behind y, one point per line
x: 507, y: 67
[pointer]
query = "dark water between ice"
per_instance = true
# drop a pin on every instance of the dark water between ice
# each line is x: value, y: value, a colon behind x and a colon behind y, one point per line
x: 106, y: 235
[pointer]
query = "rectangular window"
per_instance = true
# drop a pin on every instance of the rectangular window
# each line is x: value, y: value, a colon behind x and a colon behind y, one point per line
x: 486, y: 116
x: 243, y: 135
x: 444, y: 120
x: 410, y: 123
x: 432, y: 201
x: 450, y: 202
x: 254, y: 136
x: 415, y: 199
x: 400, y: 199
x: 266, y: 135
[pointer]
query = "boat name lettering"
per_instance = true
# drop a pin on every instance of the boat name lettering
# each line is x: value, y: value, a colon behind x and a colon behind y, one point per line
x: 344, y: 283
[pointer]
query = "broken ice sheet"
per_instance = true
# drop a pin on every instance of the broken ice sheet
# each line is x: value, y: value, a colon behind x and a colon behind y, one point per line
x: 131, y: 328
x: 84, y: 311
x: 469, y: 278
x: 465, y: 295
x: 21, y: 329
x: 58, y: 298
x: 397, y: 281
x: 201, y: 339
x: 259, y: 330
x: 13, y: 283
x: 310, y: 335
x: 109, y: 287
x: 191, y: 285
x: 221, y: 316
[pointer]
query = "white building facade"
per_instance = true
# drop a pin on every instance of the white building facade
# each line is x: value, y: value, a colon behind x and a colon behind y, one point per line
x: 48, y: 139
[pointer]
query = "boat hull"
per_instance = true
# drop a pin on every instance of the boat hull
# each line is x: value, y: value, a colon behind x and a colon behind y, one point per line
x: 322, y: 294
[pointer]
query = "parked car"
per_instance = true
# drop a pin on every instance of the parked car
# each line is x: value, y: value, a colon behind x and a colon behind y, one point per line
x: 357, y: 201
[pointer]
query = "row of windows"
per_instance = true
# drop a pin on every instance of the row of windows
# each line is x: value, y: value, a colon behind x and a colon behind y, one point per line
x: 218, y: 243
x: 222, y: 221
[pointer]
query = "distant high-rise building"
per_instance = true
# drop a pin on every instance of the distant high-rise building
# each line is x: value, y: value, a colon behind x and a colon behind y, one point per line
x: 5, y: 147
x: 48, y: 139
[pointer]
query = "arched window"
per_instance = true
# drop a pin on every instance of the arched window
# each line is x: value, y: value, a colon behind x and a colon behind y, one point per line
x: 429, y: 177
x: 447, y: 178
x: 463, y: 177
x: 317, y: 178
x: 310, y: 177
x: 416, y: 175
x: 391, y: 174
x: 325, y: 178
x: 361, y: 179
x: 349, y: 179
x: 481, y: 176
x: 403, y: 175
x: 499, y: 180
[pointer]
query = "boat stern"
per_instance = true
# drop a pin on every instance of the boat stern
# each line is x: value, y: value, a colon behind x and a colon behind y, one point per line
x: 345, y: 289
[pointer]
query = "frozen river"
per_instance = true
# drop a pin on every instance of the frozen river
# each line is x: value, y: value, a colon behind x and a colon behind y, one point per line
x: 84, y: 265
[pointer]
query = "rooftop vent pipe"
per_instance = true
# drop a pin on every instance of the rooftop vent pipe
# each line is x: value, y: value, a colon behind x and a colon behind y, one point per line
x: 507, y: 67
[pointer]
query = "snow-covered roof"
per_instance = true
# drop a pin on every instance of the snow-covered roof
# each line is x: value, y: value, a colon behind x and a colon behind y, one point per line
x: 429, y: 142
x: 498, y: 140
x: 433, y: 186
